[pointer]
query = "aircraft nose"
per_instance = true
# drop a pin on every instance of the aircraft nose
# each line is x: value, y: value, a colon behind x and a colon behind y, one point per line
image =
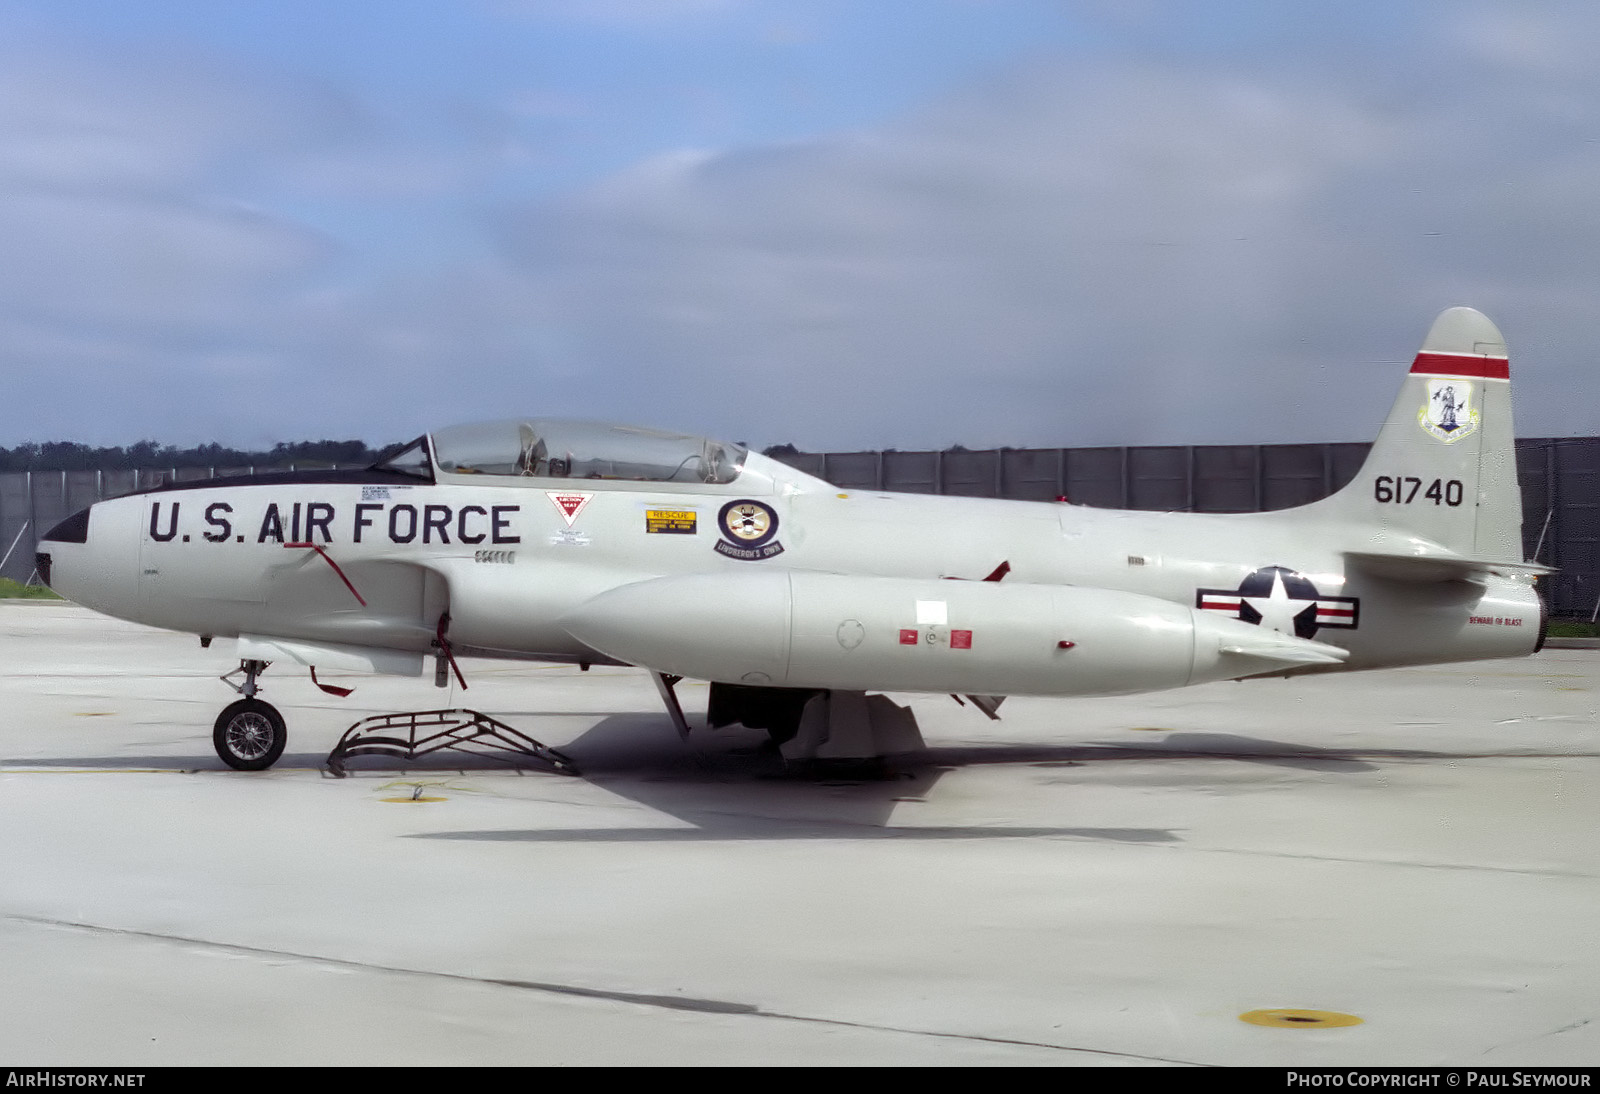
x: 72, y: 530
x: 91, y: 558
x: 75, y: 529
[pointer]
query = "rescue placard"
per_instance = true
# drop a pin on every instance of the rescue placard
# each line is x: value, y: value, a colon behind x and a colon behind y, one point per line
x: 680, y: 522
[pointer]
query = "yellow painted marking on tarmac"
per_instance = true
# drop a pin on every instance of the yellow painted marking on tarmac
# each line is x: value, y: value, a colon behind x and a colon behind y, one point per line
x: 1510, y: 675
x: 1299, y: 1019
x: 278, y: 770
x: 416, y: 796
x: 97, y: 771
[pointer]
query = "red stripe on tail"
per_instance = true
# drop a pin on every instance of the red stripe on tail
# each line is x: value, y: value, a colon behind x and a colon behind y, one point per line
x: 1462, y: 364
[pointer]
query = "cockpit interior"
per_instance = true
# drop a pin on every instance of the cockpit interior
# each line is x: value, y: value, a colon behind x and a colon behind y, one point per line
x: 552, y: 448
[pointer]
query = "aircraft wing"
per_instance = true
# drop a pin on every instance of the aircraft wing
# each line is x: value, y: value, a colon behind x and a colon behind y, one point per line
x: 1284, y: 649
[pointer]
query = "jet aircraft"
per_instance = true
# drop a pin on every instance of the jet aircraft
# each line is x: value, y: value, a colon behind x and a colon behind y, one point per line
x: 801, y: 602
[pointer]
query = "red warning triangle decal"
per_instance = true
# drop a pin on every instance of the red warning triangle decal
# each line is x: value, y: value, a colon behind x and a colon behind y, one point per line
x: 570, y: 505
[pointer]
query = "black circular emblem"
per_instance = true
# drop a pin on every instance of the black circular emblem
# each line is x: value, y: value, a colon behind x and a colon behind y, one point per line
x: 1299, y: 591
x: 747, y: 523
x: 1260, y: 583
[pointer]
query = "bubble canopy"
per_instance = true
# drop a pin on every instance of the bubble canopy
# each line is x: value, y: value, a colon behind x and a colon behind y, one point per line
x: 560, y: 449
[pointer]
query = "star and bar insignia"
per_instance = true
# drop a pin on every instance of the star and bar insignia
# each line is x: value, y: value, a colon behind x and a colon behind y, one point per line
x: 1282, y: 600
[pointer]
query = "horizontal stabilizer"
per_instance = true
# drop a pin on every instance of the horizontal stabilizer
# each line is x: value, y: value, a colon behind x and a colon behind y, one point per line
x: 1437, y: 566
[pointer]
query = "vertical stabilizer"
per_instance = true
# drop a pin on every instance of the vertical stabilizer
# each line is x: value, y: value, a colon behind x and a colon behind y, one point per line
x: 1443, y: 469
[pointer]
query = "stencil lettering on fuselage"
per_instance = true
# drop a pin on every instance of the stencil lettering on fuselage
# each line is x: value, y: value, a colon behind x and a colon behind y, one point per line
x: 327, y: 522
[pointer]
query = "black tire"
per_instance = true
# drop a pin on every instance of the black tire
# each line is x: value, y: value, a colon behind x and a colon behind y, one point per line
x: 249, y: 735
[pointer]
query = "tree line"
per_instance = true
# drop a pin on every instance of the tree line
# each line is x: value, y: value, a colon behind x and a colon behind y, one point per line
x: 72, y: 456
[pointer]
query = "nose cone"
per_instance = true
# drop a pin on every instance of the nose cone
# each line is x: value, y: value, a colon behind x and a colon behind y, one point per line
x: 92, y: 558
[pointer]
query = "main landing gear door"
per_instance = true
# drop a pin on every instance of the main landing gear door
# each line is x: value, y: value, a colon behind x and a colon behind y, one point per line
x: 331, y: 655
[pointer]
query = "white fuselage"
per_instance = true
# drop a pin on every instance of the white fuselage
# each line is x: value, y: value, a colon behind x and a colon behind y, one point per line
x: 510, y: 558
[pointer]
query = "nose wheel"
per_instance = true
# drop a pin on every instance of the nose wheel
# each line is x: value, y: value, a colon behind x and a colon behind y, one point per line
x: 249, y: 735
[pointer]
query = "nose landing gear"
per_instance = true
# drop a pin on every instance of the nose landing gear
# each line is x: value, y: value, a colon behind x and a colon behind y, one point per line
x: 249, y: 734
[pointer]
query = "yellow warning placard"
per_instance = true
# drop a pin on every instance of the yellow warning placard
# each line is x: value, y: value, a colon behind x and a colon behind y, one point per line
x: 673, y: 521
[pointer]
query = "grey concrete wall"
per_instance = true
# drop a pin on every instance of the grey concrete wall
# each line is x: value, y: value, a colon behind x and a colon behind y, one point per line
x: 1560, y: 487
x: 1560, y: 490
x: 32, y: 502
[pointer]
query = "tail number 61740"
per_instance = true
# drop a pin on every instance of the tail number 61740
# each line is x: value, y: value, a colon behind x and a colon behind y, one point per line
x: 1403, y: 490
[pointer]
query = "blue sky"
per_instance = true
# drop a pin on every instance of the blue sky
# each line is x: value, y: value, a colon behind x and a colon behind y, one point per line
x: 836, y: 224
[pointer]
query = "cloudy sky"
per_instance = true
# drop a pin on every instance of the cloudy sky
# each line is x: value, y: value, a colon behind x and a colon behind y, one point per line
x: 886, y: 223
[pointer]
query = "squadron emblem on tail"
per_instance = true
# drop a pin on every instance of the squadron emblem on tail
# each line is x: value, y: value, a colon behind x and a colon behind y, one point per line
x: 1448, y: 413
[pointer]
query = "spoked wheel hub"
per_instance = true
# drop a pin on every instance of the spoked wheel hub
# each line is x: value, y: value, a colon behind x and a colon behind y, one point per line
x: 249, y: 735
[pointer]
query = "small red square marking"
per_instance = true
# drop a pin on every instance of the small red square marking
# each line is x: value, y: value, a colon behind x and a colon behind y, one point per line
x: 961, y: 640
x: 908, y: 638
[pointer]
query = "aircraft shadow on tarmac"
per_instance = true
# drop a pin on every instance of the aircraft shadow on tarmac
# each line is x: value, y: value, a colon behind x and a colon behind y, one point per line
x: 735, y: 787
x: 643, y: 746
x: 731, y: 785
